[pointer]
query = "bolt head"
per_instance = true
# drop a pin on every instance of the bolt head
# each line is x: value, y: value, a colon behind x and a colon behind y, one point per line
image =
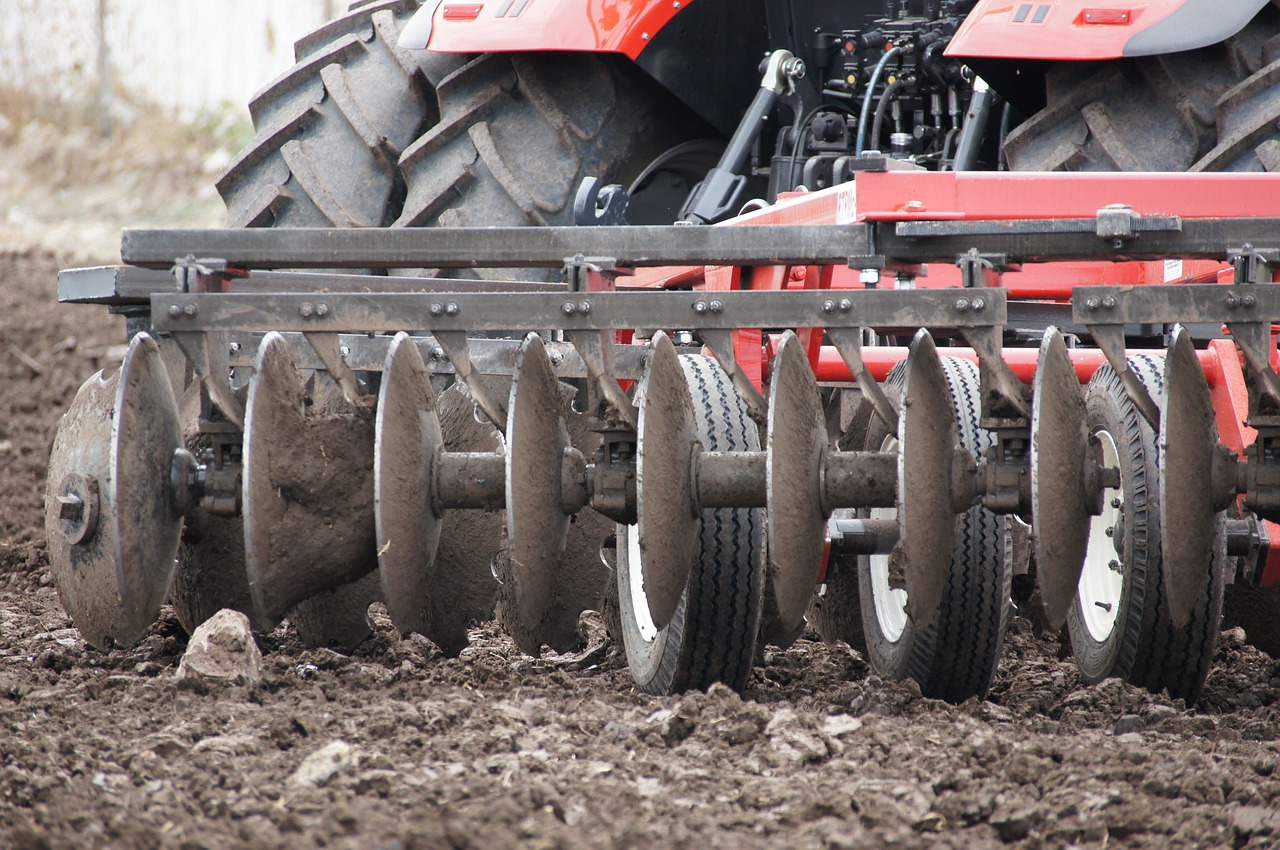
x: 584, y: 307
x: 306, y: 309
x: 1109, y: 302
x: 1231, y: 300
x: 716, y: 306
x: 322, y: 310
x: 979, y: 304
x: 451, y: 309
x: 828, y: 306
x: 175, y: 311
x: 436, y: 308
x: 1249, y: 301
x: 190, y: 310
x: 845, y: 305
x: 1092, y: 303
x: 568, y: 308
x: 699, y: 307
x: 962, y: 305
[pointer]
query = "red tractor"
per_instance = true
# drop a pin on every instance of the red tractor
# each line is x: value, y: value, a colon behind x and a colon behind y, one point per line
x: 890, y: 440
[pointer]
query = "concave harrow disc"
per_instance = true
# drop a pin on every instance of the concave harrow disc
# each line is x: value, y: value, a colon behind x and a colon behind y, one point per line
x: 307, y: 487
x: 796, y: 517
x: 110, y: 514
x: 407, y: 442
x: 927, y: 438
x: 537, y: 439
x: 667, y: 525
x: 1188, y: 443
x: 424, y: 594
x: 1060, y: 513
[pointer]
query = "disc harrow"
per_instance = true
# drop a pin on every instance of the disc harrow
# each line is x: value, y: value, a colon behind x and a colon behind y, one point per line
x: 666, y: 402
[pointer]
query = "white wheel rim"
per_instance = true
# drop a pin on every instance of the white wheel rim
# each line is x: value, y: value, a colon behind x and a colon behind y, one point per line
x: 635, y: 581
x: 890, y: 603
x: 1101, y: 586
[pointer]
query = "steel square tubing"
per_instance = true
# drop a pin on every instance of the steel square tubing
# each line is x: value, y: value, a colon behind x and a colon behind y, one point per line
x: 471, y: 312
x: 1185, y: 303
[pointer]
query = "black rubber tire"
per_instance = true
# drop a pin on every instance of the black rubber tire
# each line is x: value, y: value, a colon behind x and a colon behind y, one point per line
x: 712, y: 637
x: 362, y: 134
x: 1143, y: 646
x: 956, y: 655
x: 1212, y: 109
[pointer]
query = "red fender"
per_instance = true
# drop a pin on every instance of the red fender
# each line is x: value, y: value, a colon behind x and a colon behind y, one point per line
x: 1097, y: 29
x: 596, y: 26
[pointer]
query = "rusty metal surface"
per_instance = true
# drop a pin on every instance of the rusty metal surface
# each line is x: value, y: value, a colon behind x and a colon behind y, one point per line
x: 537, y: 438
x: 307, y: 486
x: 1188, y: 443
x: 472, y: 312
x: 407, y: 445
x: 796, y: 518
x: 927, y: 437
x: 1059, y: 510
x: 667, y: 506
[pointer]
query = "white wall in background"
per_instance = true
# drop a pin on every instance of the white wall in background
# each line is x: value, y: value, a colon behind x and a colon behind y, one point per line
x: 185, y: 54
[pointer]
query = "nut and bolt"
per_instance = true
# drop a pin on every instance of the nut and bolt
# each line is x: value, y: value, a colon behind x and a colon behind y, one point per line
x: 845, y: 305
x: 716, y: 306
x: 322, y: 310
x: 306, y: 309
x: 175, y: 311
x: 962, y: 305
x: 828, y: 306
x: 190, y: 311
x: 437, y: 354
x: 451, y: 309
x: 1231, y: 300
x: 584, y: 307
x: 699, y: 307
x: 979, y: 304
x: 436, y: 308
x: 1115, y: 502
x: 70, y: 507
x: 1249, y: 302
x: 1109, y: 302
x: 557, y: 358
x: 568, y: 308
x: 1092, y: 303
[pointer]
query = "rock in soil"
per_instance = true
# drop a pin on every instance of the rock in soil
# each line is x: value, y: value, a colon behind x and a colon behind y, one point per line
x: 222, y: 650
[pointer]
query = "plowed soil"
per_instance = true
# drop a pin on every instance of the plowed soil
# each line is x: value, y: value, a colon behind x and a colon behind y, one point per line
x: 494, y: 749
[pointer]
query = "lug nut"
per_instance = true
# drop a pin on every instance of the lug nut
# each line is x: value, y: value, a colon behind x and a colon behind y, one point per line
x: 190, y: 311
x: 568, y: 308
x: 305, y: 309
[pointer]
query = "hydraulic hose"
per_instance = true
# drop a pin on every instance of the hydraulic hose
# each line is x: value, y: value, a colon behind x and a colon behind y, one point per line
x: 885, y: 100
x: 864, y: 117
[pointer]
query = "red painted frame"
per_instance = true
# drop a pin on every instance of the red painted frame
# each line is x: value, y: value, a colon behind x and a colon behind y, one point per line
x: 932, y: 196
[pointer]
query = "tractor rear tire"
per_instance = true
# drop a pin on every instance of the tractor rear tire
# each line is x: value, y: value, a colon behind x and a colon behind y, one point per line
x: 363, y: 134
x: 1212, y: 109
x: 712, y: 637
x: 955, y: 656
x: 1122, y: 629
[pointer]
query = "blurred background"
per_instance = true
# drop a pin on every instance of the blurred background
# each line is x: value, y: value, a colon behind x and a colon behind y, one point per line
x: 117, y: 112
